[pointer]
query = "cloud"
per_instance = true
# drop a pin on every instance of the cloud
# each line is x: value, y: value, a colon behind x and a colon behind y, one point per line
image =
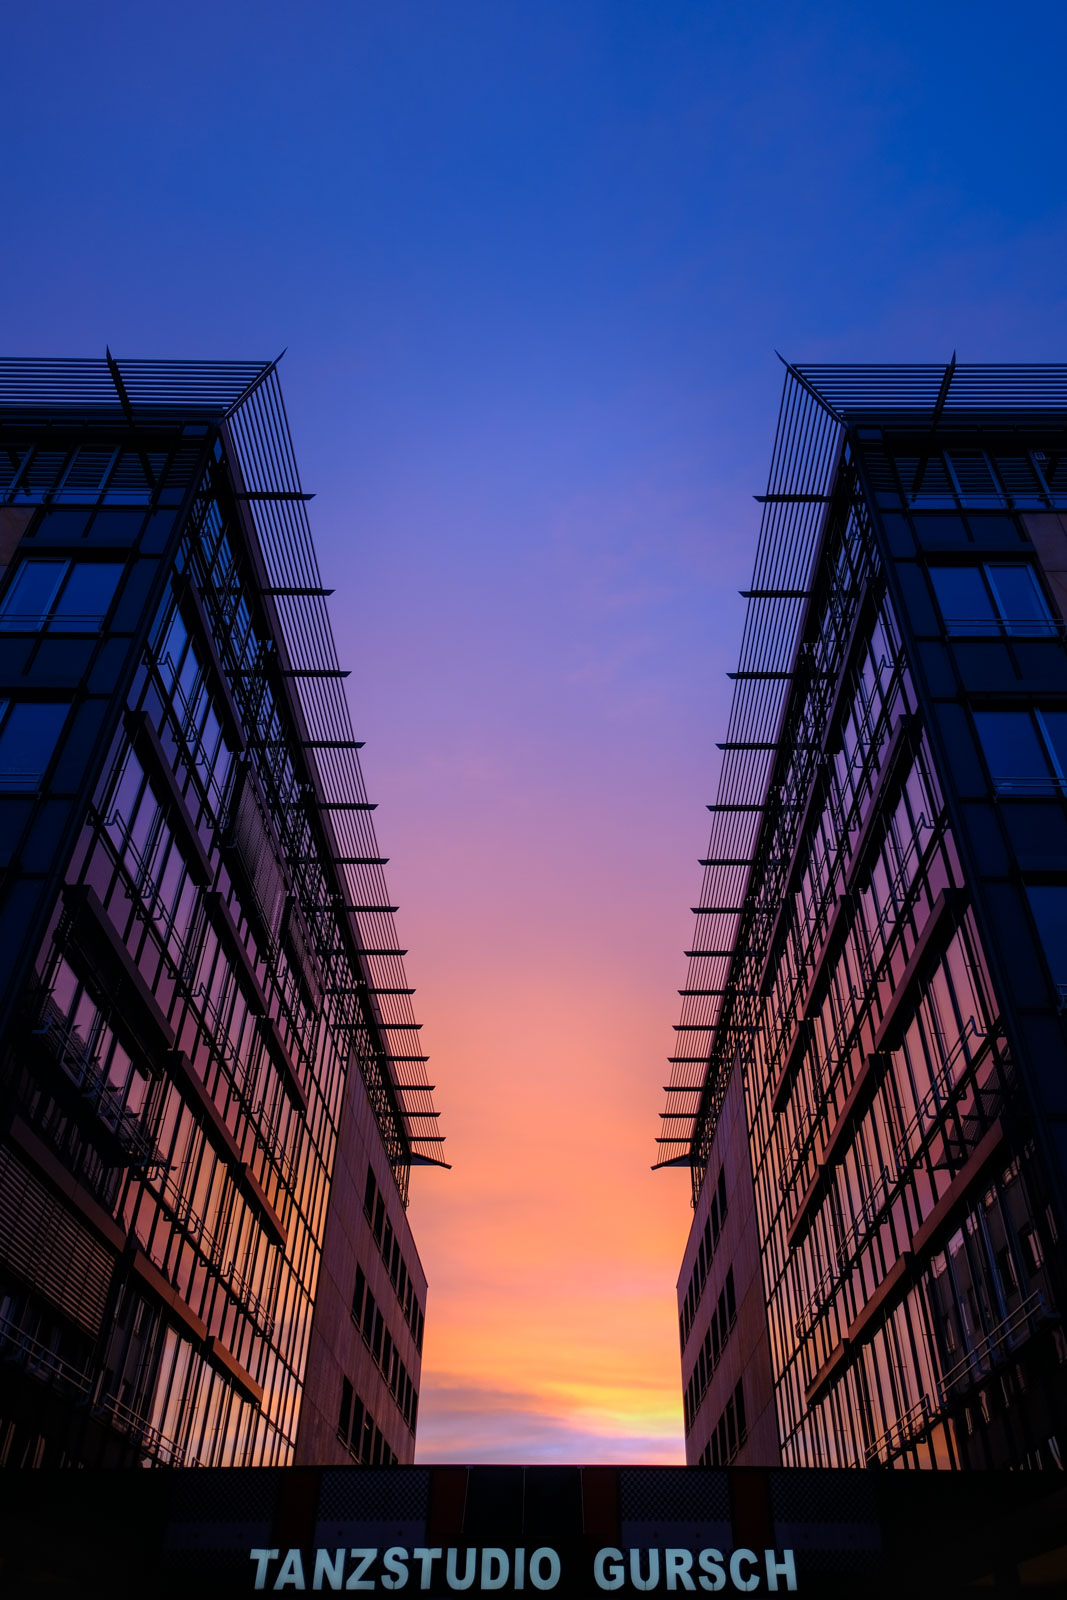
x: 472, y: 1423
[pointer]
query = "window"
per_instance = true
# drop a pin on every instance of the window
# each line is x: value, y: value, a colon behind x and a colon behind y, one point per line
x: 1048, y: 902
x: 64, y: 596
x: 1026, y: 751
x: 345, y: 1418
x: 1001, y: 597
x: 1032, y: 1248
x: 29, y: 733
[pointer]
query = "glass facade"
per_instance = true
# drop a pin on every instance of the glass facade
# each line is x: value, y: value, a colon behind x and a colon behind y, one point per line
x: 197, y: 1009
x: 889, y: 985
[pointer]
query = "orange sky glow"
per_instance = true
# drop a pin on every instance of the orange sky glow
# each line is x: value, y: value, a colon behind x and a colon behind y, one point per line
x: 543, y: 812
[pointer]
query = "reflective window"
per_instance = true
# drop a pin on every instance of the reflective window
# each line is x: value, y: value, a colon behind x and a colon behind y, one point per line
x: 1053, y: 725
x: 1019, y: 750
x: 1019, y: 596
x: 964, y: 599
x: 31, y: 594
x: 29, y: 732
x: 71, y: 597
x: 1001, y: 597
x: 86, y: 595
x: 1048, y: 902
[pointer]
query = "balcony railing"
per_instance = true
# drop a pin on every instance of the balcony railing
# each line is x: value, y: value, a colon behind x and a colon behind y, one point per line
x: 41, y: 621
x: 920, y: 1417
x: 1004, y: 627
x: 907, y: 1429
x: 969, y: 1366
x: 211, y: 1246
x: 247, y: 1297
x: 1030, y: 788
x: 943, y: 1095
x: 19, y: 1346
x: 152, y: 1442
x: 78, y: 1061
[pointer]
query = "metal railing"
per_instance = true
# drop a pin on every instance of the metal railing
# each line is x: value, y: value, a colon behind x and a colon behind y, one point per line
x: 1032, y: 1307
x: 78, y: 1061
x: 907, y: 1429
x: 213, y: 1248
x: 876, y: 1204
x: 920, y: 1417
x: 942, y: 1092
x: 1046, y: 784
x: 37, y: 1358
x: 1004, y: 627
x: 161, y: 1450
x: 247, y: 1297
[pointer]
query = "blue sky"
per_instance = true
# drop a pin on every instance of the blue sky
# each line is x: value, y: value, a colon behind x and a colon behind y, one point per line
x: 531, y: 263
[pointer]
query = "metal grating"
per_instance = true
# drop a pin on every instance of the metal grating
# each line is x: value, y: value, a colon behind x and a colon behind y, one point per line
x: 165, y: 388
x: 244, y: 399
x: 259, y: 431
x: 817, y: 404
x: 805, y: 454
x: 852, y: 391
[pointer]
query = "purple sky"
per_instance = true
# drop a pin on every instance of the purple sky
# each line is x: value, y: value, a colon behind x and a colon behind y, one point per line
x: 531, y: 263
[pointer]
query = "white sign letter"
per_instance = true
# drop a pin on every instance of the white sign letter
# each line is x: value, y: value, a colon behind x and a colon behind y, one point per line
x: 736, y: 1578
x: 395, y: 1561
x: 470, y: 1568
x: 710, y: 1562
x: 608, y: 1569
x: 786, y: 1568
x: 652, y: 1581
x: 329, y: 1564
x: 679, y: 1564
x: 427, y: 1559
x: 291, y: 1571
x: 537, y: 1561
x: 357, y: 1579
x: 261, y: 1557
x: 491, y: 1557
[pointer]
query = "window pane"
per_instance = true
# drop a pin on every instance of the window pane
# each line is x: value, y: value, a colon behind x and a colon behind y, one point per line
x: 964, y: 599
x: 1011, y: 746
x: 1055, y: 725
x: 86, y: 595
x: 1019, y: 596
x: 1048, y: 902
x: 29, y: 599
x: 27, y: 741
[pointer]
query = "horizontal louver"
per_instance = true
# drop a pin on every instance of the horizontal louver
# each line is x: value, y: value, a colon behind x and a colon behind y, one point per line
x: 11, y: 459
x: 43, y: 473
x: 925, y: 478
x: 252, y: 838
x: 1019, y: 479
x: 45, y: 1244
x: 974, y: 475
x: 184, y: 467
x: 879, y: 471
x: 128, y: 477
x: 1054, y: 471
x: 86, y: 472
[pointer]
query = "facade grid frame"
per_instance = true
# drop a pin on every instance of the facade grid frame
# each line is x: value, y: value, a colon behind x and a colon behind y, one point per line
x: 206, y: 1032
x: 890, y: 805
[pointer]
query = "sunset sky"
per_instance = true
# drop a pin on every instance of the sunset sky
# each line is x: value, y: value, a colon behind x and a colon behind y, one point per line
x: 532, y: 260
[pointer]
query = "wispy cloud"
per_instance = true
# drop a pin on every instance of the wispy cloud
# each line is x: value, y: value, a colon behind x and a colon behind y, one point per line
x: 469, y: 1422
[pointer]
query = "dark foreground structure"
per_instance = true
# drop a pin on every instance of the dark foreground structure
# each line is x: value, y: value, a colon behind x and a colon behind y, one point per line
x: 211, y: 1090
x: 568, y: 1531
x: 871, y: 1083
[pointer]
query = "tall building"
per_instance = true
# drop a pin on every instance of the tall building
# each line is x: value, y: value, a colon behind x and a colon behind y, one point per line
x: 871, y: 1085
x: 211, y: 1085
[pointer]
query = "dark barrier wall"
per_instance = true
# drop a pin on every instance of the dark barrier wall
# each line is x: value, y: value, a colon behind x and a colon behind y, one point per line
x: 567, y: 1531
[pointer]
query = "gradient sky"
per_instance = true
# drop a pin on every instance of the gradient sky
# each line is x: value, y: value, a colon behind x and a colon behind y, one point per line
x: 531, y: 262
